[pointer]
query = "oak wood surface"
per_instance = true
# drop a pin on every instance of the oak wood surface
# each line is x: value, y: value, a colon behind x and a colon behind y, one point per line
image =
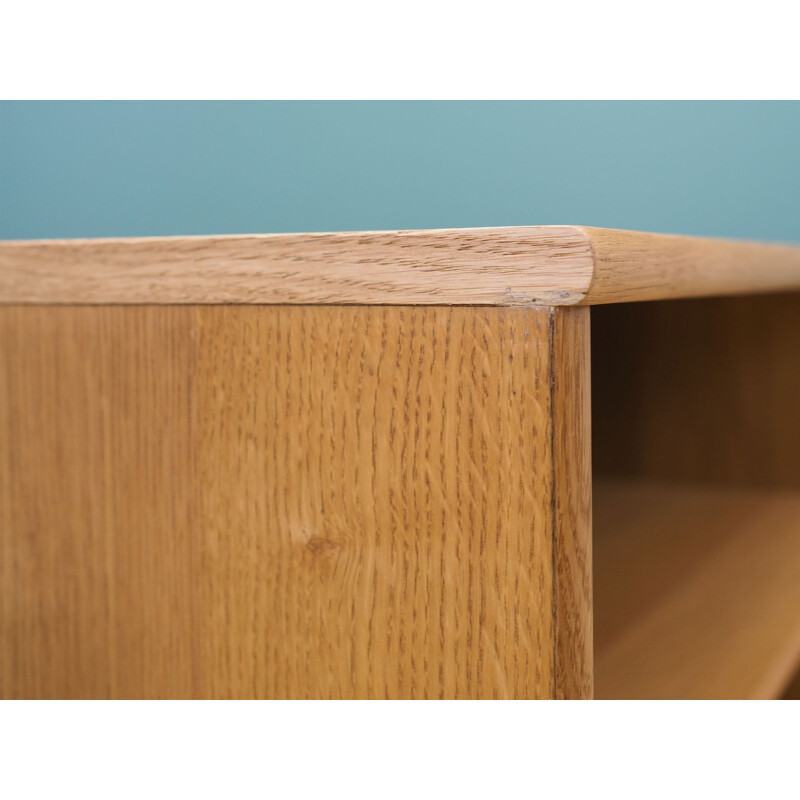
x: 99, y: 551
x: 631, y: 267
x: 545, y: 265
x: 491, y: 266
x: 248, y: 501
x: 572, y: 510
x: 696, y: 590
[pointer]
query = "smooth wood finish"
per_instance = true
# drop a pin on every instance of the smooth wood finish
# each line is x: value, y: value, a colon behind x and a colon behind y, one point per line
x: 298, y: 469
x: 696, y: 590
x: 793, y: 689
x: 546, y: 265
x: 294, y: 502
x: 699, y: 390
x: 483, y: 266
x: 572, y: 465
x: 99, y: 544
x: 631, y: 267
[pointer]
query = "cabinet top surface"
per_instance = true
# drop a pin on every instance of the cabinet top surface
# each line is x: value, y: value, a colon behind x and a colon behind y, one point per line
x: 554, y: 265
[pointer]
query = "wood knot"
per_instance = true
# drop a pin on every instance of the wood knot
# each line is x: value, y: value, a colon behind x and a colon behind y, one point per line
x: 317, y: 544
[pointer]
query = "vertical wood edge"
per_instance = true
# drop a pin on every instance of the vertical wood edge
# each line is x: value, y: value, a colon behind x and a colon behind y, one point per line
x: 572, y: 503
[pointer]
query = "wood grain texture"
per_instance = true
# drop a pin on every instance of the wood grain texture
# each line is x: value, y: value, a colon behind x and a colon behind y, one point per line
x: 699, y: 390
x: 483, y: 266
x: 572, y: 463
x: 696, y: 590
x: 630, y: 266
x: 98, y: 517
x: 545, y: 265
x: 255, y: 502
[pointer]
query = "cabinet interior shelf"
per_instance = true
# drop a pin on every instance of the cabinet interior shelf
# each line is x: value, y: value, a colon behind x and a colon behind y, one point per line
x: 697, y: 590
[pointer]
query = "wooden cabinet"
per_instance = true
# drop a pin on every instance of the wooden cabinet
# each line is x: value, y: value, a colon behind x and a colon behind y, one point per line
x: 360, y: 466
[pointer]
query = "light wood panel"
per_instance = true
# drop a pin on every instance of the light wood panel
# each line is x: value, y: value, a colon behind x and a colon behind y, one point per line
x: 572, y: 464
x: 696, y: 590
x: 492, y: 266
x: 702, y: 390
x: 99, y: 534
x: 293, y: 502
x: 546, y: 265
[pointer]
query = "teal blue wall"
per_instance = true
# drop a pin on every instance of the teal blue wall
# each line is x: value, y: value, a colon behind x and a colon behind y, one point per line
x: 133, y: 169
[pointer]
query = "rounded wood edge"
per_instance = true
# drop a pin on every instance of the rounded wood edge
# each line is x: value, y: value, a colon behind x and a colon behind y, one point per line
x: 631, y: 266
x: 556, y: 265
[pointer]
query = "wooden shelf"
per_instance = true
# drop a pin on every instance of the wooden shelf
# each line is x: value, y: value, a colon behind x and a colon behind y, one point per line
x: 697, y: 590
x: 555, y: 265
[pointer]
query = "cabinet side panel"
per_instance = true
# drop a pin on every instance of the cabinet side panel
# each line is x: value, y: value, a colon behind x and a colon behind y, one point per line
x: 378, y: 481
x: 277, y: 502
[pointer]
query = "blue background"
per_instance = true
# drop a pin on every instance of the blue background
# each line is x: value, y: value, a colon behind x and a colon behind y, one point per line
x: 73, y: 169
